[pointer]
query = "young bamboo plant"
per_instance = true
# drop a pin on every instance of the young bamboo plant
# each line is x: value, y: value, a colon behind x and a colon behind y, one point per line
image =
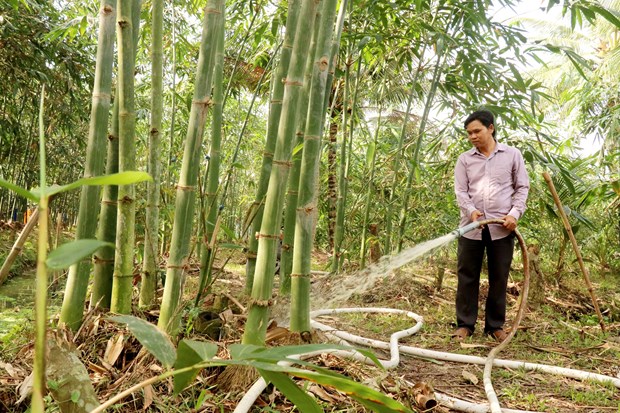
x: 62, y: 257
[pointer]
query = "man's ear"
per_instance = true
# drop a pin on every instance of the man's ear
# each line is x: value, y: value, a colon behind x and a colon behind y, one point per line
x: 491, y: 128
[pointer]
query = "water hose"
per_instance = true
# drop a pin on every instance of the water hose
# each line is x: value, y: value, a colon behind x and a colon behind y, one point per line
x: 488, y: 365
x: 248, y: 400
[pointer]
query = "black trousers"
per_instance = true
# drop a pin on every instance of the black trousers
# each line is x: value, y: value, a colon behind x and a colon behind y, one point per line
x: 470, y: 255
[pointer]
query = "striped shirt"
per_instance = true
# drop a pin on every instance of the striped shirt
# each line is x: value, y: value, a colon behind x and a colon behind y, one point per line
x: 496, y: 186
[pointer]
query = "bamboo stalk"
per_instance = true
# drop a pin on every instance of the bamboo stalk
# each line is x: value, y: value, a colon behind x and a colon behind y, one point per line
x: 273, y: 122
x: 573, y: 241
x: 258, y: 312
x: 151, y: 259
x: 122, y: 278
x: 17, y: 246
x: 77, y: 280
x: 290, y: 213
x: 169, y: 318
x: 306, y: 212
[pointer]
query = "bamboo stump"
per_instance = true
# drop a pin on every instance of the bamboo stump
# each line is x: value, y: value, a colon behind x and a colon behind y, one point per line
x: 537, y: 286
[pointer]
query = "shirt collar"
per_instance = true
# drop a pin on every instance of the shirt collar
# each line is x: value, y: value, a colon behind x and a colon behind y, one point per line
x: 499, y: 147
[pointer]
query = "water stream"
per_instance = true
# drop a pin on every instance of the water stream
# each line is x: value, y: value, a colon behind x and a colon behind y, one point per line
x: 342, y: 287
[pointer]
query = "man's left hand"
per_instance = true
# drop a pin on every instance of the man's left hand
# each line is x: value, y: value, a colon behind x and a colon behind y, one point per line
x: 510, y: 222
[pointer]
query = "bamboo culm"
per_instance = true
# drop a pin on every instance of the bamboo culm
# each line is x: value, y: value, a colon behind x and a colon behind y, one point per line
x: 258, y: 312
x: 77, y: 280
x: 306, y: 216
x: 169, y: 318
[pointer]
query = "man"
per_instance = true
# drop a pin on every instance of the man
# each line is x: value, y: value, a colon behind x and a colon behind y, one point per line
x: 490, y: 181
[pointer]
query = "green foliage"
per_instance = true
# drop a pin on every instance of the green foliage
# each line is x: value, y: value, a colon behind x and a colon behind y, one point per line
x: 72, y: 252
x: 152, y: 338
x: 192, y: 356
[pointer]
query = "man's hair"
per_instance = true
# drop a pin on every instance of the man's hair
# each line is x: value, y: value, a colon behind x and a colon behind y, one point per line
x: 483, y: 116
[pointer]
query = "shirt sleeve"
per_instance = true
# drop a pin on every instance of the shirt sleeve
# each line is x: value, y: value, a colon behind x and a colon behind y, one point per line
x: 461, y: 188
x: 521, y: 187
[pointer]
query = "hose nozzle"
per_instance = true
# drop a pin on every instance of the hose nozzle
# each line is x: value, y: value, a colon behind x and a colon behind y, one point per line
x: 459, y: 232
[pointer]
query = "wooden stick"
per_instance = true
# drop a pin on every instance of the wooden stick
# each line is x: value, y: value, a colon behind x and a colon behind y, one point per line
x: 569, y: 230
x: 17, y: 247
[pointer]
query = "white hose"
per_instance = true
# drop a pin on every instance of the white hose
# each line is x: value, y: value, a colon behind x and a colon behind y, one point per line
x: 252, y: 394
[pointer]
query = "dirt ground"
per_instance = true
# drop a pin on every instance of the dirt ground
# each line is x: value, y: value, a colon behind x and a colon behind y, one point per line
x: 561, y: 332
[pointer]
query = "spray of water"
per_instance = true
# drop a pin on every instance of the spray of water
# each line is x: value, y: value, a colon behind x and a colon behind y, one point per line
x: 338, y: 289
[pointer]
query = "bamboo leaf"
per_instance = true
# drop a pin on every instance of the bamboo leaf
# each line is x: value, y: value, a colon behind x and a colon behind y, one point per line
x: 153, y: 339
x: 370, y: 154
x: 121, y: 178
x: 191, y: 352
x: 72, y: 252
x: 19, y: 190
x: 374, y: 399
x: 302, y: 400
x: 606, y: 14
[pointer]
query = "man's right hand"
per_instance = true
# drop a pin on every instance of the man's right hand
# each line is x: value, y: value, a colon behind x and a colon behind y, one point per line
x: 475, y: 215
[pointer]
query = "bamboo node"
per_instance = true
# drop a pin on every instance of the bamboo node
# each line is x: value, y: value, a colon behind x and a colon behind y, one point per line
x: 107, y: 202
x: 312, y: 137
x: 293, y: 82
x: 185, y: 188
x: 276, y: 101
x: 205, y: 102
x: 177, y: 267
x: 261, y: 303
x: 98, y: 260
x: 286, y: 247
x: 251, y: 255
x: 268, y: 154
x: 259, y: 235
x: 300, y: 275
x: 283, y: 163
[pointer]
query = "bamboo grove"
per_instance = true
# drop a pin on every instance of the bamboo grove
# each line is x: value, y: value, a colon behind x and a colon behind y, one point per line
x: 304, y: 124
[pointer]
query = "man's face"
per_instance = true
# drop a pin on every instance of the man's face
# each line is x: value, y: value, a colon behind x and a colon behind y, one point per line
x: 478, y: 134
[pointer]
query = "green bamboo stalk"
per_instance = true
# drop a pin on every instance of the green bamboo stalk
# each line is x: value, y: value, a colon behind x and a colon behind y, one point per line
x: 77, y: 280
x: 345, y: 161
x: 169, y: 317
x: 288, y: 235
x: 396, y: 163
x: 122, y: 279
x: 103, y: 259
x: 150, y: 262
x: 173, y: 111
x: 370, y: 188
x: 40, y: 302
x: 305, y: 222
x: 333, y: 129
x: 414, y: 160
x: 258, y: 313
x: 275, y: 110
x: 207, y: 254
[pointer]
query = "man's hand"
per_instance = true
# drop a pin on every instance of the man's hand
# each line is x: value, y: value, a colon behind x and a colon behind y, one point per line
x: 475, y: 215
x: 510, y: 222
